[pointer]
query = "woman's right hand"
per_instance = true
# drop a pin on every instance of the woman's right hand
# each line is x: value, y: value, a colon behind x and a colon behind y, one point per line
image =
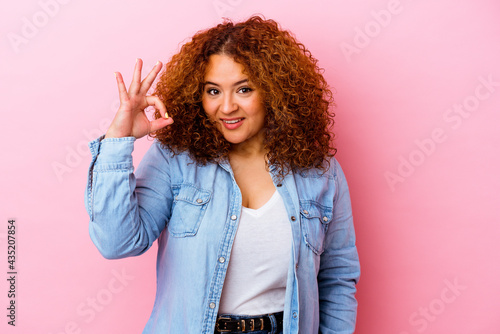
x: 130, y: 119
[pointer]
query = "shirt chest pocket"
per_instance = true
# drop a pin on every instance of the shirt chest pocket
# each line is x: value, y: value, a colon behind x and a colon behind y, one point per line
x: 315, y: 219
x: 190, y: 204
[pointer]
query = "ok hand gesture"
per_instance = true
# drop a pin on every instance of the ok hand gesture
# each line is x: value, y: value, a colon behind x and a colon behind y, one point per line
x: 130, y: 119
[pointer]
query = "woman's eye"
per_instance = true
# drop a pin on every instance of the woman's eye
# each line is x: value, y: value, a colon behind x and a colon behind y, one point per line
x: 212, y: 91
x: 245, y: 90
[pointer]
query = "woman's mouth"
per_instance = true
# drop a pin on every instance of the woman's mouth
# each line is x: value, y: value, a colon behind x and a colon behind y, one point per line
x: 233, y: 123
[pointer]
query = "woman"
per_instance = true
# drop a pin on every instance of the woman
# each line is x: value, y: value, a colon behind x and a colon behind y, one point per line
x: 250, y: 209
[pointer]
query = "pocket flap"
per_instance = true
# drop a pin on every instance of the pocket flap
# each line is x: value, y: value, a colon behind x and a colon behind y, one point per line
x: 310, y: 209
x: 192, y: 195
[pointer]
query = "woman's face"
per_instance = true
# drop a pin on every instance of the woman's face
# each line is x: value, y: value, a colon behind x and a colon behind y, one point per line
x: 230, y: 99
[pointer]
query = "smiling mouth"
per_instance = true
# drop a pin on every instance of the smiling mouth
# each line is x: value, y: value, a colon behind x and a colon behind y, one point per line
x: 233, y: 121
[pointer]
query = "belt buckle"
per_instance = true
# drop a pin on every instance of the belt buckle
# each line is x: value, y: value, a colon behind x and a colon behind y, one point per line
x: 261, y: 323
x: 241, y: 324
x: 217, y: 325
x: 252, y: 324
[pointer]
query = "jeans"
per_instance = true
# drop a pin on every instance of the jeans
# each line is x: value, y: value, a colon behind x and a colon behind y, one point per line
x: 274, y: 330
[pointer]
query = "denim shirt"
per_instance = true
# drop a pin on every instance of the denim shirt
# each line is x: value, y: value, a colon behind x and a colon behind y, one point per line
x: 193, y: 211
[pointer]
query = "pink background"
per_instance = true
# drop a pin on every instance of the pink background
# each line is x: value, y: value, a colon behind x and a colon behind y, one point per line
x: 423, y: 173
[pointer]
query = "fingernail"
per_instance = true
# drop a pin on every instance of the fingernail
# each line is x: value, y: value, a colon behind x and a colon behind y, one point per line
x: 166, y: 115
x: 115, y: 74
x: 157, y: 62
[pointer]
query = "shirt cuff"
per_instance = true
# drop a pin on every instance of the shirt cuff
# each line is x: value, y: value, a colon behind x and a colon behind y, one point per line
x: 112, y: 153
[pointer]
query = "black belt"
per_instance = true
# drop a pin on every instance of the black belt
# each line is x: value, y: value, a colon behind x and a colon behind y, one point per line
x: 257, y: 323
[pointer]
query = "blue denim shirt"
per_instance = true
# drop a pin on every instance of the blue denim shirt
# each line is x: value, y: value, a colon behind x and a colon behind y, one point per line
x: 193, y: 211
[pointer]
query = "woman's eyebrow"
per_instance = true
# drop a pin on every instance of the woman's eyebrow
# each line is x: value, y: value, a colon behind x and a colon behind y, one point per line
x: 235, y: 84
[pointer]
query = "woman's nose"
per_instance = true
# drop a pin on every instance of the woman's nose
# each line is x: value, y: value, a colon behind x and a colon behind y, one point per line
x: 228, y: 104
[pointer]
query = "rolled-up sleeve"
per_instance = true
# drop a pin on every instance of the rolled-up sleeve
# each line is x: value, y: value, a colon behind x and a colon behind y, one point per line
x: 127, y: 214
x: 339, y: 265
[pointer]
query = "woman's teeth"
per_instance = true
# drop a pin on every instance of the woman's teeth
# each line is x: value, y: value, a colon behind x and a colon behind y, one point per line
x: 232, y: 121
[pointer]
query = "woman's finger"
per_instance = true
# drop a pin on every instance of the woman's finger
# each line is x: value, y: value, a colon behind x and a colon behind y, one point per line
x: 135, y: 85
x: 148, y: 81
x: 160, y: 123
x: 158, y: 104
x: 122, y: 90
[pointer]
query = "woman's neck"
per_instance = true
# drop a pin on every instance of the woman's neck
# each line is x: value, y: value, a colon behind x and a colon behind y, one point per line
x: 251, y: 148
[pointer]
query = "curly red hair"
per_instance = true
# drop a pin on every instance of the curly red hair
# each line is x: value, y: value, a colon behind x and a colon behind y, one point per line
x: 295, y: 95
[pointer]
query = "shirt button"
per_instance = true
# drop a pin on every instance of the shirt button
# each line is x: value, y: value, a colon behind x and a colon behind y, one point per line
x: 294, y: 314
x: 211, y: 305
x: 222, y: 260
x: 325, y: 219
x: 199, y: 200
x: 279, y: 185
x: 293, y: 218
x: 233, y: 217
x: 306, y: 212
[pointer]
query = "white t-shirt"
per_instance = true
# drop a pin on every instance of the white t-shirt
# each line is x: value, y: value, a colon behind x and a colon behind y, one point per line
x: 255, y: 281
